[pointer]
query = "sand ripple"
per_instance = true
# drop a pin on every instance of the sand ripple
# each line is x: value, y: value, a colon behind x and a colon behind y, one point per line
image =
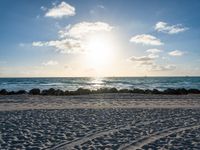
x: 98, y: 122
x: 98, y: 128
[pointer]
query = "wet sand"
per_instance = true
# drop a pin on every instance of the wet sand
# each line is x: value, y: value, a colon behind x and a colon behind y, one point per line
x: 104, y: 121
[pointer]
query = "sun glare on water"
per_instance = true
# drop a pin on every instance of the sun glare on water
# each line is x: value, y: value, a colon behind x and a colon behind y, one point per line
x: 100, y: 51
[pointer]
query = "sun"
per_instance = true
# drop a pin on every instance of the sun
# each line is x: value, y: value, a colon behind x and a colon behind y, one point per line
x: 100, y: 50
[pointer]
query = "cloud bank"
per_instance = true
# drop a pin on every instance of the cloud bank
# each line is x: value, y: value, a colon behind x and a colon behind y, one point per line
x: 154, y: 50
x: 176, y: 53
x: 141, y: 58
x: 156, y: 67
x: 62, y: 10
x: 63, y: 46
x: 149, y: 61
x: 82, y: 29
x: 72, y: 38
x: 146, y: 39
x: 169, y: 29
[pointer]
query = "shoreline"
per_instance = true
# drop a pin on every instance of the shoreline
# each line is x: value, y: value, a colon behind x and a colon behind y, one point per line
x: 98, y: 101
x: 82, y: 91
x: 99, y: 121
x: 100, y: 128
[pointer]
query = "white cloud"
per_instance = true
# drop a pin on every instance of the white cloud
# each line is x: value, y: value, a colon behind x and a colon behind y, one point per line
x: 39, y: 44
x: 152, y: 55
x: 176, y: 53
x: 64, y: 32
x: 146, y: 39
x: 154, y: 50
x: 144, y: 60
x: 170, y: 29
x: 141, y: 58
x: 50, y: 63
x: 73, y: 37
x: 63, y: 45
x: 62, y: 10
x: 82, y: 29
x: 156, y: 67
x: 148, y: 62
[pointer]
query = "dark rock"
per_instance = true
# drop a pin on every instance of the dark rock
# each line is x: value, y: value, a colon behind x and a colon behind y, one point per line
x: 3, y: 92
x: 44, y: 92
x: 50, y: 91
x: 175, y: 91
x: 66, y: 93
x: 124, y: 91
x: 170, y: 91
x: 113, y: 90
x: 93, y: 91
x: 11, y: 93
x: 155, y: 91
x: 182, y: 91
x: 107, y: 90
x: 140, y: 91
x: 102, y: 90
x: 72, y: 93
x: 21, y: 92
x: 59, y: 92
x: 148, y: 91
x: 82, y: 91
x: 194, y: 91
x: 34, y: 92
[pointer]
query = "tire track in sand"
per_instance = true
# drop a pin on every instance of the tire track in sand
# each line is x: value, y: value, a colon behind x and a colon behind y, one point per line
x: 70, y: 145
x: 156, y: 136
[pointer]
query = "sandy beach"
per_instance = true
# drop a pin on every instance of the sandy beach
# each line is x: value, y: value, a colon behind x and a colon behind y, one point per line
x: 99, y: 75
x: 102, y: 121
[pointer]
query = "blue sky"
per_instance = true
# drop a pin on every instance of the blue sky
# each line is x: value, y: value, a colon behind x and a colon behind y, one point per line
x: 99, y: 38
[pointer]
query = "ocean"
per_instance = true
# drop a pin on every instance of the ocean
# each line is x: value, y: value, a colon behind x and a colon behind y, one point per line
x: 71, y: 83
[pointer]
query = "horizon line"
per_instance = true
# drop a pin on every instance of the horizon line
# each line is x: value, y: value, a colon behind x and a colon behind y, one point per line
x: 100, y: 76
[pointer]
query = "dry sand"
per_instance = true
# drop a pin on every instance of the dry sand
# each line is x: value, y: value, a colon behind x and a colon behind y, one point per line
x: 104, y: 121
x: 26, y: 102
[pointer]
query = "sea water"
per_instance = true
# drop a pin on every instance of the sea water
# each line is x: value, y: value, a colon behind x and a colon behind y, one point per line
x: 69, y: 83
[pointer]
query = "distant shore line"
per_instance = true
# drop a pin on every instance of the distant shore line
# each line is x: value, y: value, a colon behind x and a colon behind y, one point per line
x: 82, y: 91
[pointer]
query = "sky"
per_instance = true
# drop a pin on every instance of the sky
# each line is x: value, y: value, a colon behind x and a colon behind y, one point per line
x: 75, y: 38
